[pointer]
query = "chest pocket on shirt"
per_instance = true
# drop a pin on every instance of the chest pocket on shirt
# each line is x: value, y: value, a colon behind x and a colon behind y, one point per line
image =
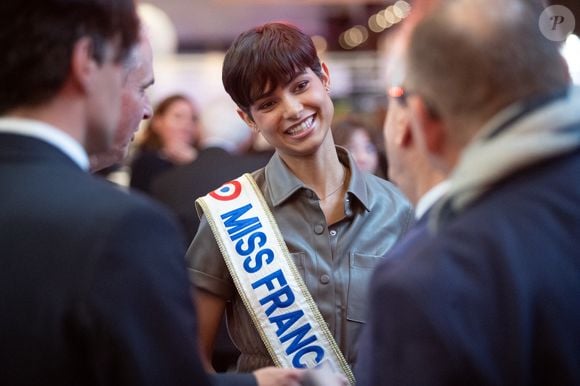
x: 298, y: 258
x: 361, y: 269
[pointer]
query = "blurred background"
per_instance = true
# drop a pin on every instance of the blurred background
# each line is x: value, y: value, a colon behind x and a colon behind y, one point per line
x: 191, y: 36
x: 353, y: 37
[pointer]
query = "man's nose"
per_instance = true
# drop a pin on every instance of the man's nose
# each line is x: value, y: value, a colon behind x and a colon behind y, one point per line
x: 147, y: 109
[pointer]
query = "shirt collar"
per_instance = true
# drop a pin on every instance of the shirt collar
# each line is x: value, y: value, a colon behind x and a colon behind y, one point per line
x: 282, y: 183
x: 357, y: 186
x: 430, y: 198
x: 49, y: 134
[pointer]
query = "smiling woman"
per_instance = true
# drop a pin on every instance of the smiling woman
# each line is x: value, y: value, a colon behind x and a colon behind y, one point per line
x: 330, y: 222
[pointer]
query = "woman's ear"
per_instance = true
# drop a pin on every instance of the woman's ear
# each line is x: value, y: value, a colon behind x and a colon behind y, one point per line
x: 248, y: 119
x: 325, y: 76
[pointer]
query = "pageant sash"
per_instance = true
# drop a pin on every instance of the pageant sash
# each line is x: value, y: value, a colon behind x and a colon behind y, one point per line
x: 267, y: 280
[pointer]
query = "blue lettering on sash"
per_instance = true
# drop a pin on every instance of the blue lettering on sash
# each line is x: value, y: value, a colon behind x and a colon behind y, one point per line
x: 297, y: 335
x: 237, y: 227
x: 282, y: 298
x: 279, y: 295
x: 269, y: 280
x: 251, y: 243
x: 253, y: 268
x: 315, y: 349
x: 285, y: 321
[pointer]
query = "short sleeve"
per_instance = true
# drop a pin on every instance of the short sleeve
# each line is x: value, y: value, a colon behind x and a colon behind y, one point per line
x: 206, y: 266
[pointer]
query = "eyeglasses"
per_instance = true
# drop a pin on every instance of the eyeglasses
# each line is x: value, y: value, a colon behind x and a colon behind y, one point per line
x: 401, y: 94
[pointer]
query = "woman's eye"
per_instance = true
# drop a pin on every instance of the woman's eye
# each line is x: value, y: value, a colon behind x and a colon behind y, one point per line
x: 302, y: 85
x: 266, y: 105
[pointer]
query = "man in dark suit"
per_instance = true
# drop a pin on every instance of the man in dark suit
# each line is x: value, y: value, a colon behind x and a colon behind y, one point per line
x: 491, y: 295
x: 93, y: 282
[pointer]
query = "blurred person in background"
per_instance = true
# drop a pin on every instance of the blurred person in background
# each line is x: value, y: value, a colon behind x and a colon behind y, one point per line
x: 364, y: 144
x: 169, y: 139
x: 224, y: 141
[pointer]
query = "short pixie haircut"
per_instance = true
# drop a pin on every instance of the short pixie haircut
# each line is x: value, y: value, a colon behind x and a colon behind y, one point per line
x: 265, y: 57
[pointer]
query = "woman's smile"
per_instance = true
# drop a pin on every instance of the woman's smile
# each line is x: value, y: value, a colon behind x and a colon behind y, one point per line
x: 303, y: 128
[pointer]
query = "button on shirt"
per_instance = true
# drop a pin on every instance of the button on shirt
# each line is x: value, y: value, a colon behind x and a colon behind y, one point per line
x: 336, y: 270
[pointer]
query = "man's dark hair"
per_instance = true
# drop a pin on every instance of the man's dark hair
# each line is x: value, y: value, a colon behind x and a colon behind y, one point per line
x: 37, y: 38
x: 471, y: 58
x: 265, y: 57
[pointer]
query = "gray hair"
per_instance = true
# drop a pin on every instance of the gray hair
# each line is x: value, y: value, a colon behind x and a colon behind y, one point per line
x: 134, y: 59
x: 471, y: 58
x: 130, y: 63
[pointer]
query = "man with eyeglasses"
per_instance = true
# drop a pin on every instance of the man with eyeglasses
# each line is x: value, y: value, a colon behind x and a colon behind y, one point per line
x: 491, y: 294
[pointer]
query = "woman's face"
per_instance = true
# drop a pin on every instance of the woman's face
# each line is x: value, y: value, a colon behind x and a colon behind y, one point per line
x: 363, y: 151
x: 295, y: 118
x: 179, y: 123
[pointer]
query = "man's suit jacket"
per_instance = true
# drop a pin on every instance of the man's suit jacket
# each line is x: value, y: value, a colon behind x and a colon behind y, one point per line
x: 493, y: 298
x: 93, y: 282
x: 179, y: 187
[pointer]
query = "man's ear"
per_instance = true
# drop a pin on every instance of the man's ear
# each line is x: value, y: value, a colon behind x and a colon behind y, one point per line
x: 403, y: 135
x: 248, y: 119
x: 83, y: 64
x: 428, y: 130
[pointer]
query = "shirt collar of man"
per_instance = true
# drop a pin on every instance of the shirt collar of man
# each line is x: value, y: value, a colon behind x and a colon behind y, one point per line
x: 47, y: 133
x: 430, y: 198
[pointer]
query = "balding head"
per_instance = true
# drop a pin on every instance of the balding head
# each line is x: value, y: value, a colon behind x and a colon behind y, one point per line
x: 409, y: 166
x: 469, y: 59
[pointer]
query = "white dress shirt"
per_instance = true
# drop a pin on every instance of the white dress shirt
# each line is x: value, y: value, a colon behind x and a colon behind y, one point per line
x: 47, y: 133
x: 430, y: 198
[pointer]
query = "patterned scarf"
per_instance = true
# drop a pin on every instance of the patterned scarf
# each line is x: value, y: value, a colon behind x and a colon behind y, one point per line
x: 518, y: 136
